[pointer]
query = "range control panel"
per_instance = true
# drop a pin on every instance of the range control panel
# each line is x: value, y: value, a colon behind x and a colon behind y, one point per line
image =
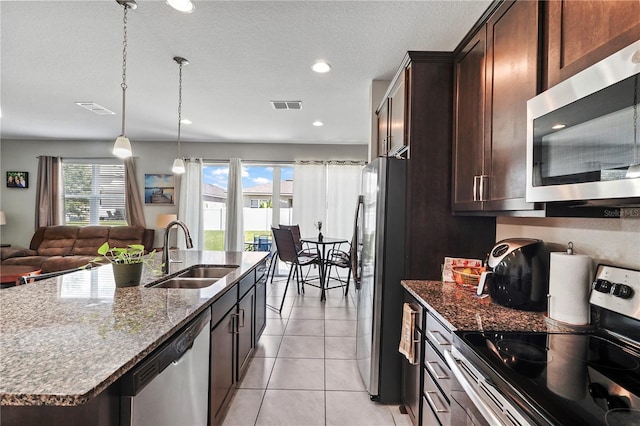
x: 617, y: 289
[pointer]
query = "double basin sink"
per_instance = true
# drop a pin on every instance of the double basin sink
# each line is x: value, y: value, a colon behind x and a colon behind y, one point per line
x: 199, y: 276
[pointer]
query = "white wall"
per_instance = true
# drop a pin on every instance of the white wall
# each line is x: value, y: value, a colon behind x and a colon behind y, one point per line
x: 612, y: 241
x: 153, y: 157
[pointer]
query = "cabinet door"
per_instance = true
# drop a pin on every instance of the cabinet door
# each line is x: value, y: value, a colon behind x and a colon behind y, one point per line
x: 512, y: 75
x: 261, y: 308
x: 397, y: 98
x: 245, y: 330
x: 581, y: 33
x: 222, y: 366
x: 468, y: 154
x: 383, y: 129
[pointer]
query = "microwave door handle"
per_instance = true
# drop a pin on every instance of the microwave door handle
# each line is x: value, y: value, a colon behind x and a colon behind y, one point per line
x: 474, y: 396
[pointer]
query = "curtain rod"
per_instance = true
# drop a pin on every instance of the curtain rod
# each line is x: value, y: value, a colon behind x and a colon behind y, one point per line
x: 305, y: 162
x: 85, y: 158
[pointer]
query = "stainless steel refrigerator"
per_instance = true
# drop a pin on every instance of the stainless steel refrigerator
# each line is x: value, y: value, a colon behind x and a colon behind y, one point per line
x: 380, y: 226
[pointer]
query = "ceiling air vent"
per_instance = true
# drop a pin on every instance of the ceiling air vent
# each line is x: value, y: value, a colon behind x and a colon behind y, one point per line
x: 95, y: 108
x: 286, y: 104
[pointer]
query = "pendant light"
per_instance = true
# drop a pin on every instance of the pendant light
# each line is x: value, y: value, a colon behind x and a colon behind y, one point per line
x: 178, y: 164
x: 122, y: 146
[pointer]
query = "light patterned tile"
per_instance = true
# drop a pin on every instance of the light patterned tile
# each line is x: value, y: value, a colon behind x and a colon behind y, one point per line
x: 355, y: 409
x: 292, y: 408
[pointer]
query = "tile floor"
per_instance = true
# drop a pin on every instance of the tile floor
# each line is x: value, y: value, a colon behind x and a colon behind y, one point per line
x: 304, y: 371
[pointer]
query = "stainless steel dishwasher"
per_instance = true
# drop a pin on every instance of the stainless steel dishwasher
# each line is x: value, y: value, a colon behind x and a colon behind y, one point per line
x: 170, y: 387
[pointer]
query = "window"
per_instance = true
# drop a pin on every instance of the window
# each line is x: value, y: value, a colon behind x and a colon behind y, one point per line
x: 94, y: 192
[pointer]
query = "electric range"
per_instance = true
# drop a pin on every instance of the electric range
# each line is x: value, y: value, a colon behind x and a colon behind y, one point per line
x: 587, y: 377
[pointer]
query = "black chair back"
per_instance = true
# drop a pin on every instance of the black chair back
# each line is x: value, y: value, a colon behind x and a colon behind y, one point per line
x: 285, y: 245
x: 295, y: 231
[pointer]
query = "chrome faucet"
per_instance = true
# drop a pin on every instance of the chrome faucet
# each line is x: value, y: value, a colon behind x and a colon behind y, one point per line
x: 165, y: 247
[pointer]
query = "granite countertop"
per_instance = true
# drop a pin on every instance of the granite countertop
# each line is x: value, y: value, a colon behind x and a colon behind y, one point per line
x: 461, y: 309
x: 64, y: 340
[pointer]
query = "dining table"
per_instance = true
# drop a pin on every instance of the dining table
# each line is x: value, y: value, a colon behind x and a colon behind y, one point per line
x: 324, y: 245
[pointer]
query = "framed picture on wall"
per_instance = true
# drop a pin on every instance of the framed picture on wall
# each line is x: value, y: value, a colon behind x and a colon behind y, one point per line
x: 17, y: 179
x: 159, y: 189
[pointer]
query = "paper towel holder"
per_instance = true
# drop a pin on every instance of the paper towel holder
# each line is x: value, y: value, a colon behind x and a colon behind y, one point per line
x: 570, y: 247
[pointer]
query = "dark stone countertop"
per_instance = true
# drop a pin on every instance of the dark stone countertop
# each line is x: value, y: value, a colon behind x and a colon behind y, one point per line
x: 460, y: 309
x: 64, y: 340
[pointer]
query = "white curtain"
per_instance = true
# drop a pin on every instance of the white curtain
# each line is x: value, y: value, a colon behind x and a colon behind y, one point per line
x: 234, y: 230
x: 343, y: 188
x: 190, y: 204
x: 310, y: 198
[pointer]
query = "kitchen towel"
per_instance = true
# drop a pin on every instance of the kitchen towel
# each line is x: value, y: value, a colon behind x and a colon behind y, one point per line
x: 569, y: 286
x: 407, y: 347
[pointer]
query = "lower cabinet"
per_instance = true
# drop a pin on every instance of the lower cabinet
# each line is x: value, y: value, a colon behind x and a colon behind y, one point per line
x: 245, y: 331
x: 222, y: 366
x: 426, y: 386
x: 238, y: 319
x: 411, y: 380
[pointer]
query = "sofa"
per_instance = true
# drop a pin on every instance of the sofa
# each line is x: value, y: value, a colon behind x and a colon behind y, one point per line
x: 60, y: 248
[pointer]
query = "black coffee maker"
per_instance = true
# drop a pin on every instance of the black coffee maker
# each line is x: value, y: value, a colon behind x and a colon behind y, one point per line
x: 518, y: 274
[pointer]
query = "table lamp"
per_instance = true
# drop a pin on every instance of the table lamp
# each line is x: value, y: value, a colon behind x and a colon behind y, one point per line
x: 164, y: 219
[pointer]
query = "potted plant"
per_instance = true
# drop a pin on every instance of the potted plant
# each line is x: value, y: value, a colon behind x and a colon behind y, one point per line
x: 127, y: 263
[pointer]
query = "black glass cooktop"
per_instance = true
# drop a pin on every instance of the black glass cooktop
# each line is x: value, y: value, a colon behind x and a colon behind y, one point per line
x: 567, y: 379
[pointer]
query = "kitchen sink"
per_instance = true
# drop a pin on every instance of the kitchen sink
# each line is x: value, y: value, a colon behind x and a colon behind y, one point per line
x: 199, y: 276
x: 181, y: 282
x: 208, y: 271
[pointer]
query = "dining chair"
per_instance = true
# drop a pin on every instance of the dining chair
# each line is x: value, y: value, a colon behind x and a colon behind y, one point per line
x: 288, y: 253
x: 303, y: 249
x: 337, y: 258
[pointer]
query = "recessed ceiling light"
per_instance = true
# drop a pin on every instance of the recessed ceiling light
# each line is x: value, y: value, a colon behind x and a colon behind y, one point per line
x: 185, y: 121
x: 321, y: 67
x: 185, y: 6
x: 558, y: 126
x: 318, y: 123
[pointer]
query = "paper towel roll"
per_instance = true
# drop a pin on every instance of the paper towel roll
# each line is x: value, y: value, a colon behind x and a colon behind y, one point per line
x: 569, y: 286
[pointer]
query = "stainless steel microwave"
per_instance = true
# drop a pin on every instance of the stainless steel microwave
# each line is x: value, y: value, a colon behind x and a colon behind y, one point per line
x: 583, y: 135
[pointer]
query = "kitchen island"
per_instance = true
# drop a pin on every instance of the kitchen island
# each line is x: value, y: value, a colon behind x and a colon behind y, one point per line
x: 66, y: 340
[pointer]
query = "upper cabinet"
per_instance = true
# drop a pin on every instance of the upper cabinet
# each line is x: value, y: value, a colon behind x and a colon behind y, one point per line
x: 496, y: 72
x: 581, y: 33
x: 391, y: 118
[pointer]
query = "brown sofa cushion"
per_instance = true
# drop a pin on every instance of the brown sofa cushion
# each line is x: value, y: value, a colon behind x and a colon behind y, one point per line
x: 58, y: 240
x: 89, y: 239
x: 62, y: 263
x: 35, y: 261
x: 122, y: 236
x: 9, y: 252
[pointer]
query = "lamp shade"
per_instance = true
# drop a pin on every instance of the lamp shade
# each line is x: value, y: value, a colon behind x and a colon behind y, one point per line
x: 178, y: 166
x: 3, y: 219
x: 122, y: 147
x: 164, y: 219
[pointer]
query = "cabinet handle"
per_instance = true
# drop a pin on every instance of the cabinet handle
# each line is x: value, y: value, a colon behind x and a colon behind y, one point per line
x: 242, y: 323
x: 438, y: 337
x: 483, y: 179
x: 432, y: 368
x: 476, y: 181
x: 432, y: 396
x: 234, y: 324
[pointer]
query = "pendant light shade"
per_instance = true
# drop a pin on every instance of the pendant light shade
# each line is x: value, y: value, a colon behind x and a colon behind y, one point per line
x: 178, y: 166
x: 185, y: 6
x: 178, y: 163
x: 122, y: 146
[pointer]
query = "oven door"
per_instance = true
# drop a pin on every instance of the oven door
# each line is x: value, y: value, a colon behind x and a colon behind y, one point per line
x: 474, y: 398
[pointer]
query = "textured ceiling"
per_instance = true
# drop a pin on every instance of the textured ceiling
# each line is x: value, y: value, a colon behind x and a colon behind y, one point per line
x: 242, y: 55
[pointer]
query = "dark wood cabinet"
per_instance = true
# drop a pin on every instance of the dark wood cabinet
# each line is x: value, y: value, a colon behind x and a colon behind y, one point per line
x: 245, y: 330
x: 581, y: 33
x: 496, y: 73
x: 260, y: 317
x: 392, y: 117
x: 222, y: 366
x: 469, y: 123
x: 411, y: 381
x: 431, y: 230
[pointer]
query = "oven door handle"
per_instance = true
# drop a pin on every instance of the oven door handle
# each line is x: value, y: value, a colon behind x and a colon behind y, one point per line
x: 474, y: 396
